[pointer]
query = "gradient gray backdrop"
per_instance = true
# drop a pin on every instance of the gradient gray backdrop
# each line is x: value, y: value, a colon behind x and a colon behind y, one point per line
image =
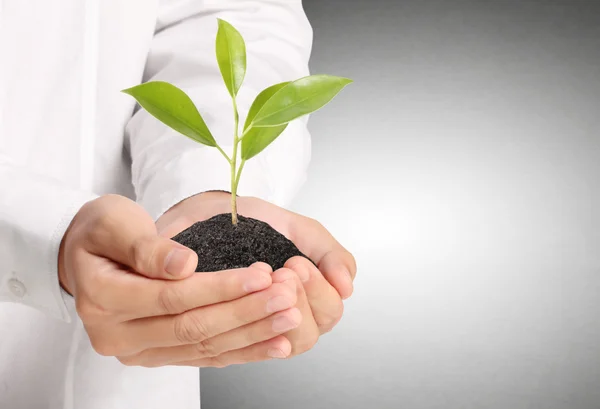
x: 462, y: 168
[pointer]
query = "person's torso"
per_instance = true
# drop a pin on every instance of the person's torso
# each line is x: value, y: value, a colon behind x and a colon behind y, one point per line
x: 62, y: 66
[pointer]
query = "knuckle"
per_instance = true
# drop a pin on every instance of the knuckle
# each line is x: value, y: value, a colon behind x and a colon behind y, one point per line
x: 105, y: 220
x: 242, y: 314
x: 101, y: 225
x: 170, y: 299
x: 225, y: 282
x: 89, y: 311
x: 217, y: 362
x: 143, y: 252
x: 97, y: 233
x: 191, y: 328
x: 206, y: 349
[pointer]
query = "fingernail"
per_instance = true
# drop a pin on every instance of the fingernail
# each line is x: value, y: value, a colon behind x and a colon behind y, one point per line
x: 283, y: 324
x: 302, y: 271
x: 276, y: 353
x: 279, y: 303
x: 348, y: 279
x: 257, y: 283
x: 176, y: 261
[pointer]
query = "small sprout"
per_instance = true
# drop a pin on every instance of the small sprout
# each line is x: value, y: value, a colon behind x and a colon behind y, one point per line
x: 271, y: 112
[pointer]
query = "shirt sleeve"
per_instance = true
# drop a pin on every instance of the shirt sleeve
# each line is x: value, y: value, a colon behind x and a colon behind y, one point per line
x: 168, y: 167
x: 35, y: 212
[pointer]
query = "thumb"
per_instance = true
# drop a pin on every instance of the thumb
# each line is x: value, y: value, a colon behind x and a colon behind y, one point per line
x: 160, y: 257
x: 123, y: 231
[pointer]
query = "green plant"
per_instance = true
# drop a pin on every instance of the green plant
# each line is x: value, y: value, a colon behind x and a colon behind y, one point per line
x: 269, y: 115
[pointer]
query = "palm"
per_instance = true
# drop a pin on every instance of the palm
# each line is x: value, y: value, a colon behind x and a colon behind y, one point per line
x: 336, y: 266
x: 201, y: 210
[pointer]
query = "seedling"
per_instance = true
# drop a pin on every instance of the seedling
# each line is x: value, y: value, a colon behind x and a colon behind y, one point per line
x: 269, y: 115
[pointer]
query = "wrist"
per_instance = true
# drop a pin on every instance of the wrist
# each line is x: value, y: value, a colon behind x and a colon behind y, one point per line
x: 62, y: 273
x: 63, y: 276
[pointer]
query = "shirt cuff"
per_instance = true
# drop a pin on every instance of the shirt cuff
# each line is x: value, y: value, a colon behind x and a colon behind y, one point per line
x: 32, y: 278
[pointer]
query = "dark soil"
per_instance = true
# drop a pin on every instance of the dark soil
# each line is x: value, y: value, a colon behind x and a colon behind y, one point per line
x: 222, y: 246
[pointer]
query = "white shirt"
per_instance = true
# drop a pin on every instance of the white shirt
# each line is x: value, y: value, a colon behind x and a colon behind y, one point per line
x: 67, y: 135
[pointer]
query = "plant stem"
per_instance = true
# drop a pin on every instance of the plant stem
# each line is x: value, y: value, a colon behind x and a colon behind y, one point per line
x: 239, y: 173
x: 223, y: 153
x: 233, y: 162
x: 234, y: 218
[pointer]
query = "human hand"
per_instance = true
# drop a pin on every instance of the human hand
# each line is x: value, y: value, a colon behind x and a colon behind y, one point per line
x: 322, y: 289
x: 140, y: 301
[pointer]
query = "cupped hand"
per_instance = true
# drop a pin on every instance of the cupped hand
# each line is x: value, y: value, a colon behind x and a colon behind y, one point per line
x: 140, y: 301
x: 322, y: 287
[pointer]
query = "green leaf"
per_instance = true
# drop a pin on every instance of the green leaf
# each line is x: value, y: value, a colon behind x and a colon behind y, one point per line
x: 174, y: 108
x: 231, y: 56
x: 260, y: 100
x: 257, y: 139
x: 299, y: 98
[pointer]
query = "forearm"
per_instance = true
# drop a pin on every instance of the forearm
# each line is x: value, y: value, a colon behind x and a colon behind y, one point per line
x: 168, y: 167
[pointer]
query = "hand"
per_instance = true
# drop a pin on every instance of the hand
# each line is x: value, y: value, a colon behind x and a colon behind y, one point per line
x: 140, y: 301
x: 323, y: 288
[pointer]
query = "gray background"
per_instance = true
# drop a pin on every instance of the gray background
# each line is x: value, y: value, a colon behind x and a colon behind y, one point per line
x: 462, y: 168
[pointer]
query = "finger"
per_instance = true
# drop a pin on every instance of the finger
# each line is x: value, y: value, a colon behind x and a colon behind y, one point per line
x: 307, y: 334
x: 203, y: 323
x: 153, y: 257
x: 129, y: 296
x: 325, y: 302
x: 276, y: 348
x: 128, y: 236
x: 159, y: 257
x: 333, y: 267
x: 311, y: 238
x: 238, y: 338
x: 335, y: 262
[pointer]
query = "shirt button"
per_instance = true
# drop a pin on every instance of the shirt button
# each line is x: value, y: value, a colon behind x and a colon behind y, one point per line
x: 17, y: 288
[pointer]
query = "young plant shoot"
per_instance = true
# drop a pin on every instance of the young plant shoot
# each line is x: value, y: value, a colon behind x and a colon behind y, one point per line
x: 269, y: 115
